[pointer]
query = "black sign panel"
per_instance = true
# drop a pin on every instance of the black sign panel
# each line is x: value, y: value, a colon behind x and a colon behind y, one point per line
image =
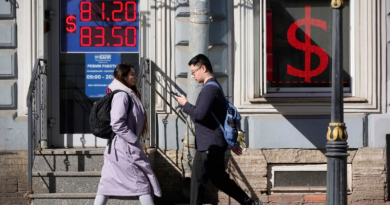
x: 299, y: 43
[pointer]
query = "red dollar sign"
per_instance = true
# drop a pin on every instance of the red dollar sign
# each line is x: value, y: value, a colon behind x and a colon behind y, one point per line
x: 307, y: 47
x: 69, y: 20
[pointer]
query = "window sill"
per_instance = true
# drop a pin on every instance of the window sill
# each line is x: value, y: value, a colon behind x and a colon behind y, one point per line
x: 304, y: 100
x: 298, y: 189
x: 281, y: 190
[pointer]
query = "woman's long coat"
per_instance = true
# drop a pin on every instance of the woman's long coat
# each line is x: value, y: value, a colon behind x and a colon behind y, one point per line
x: 126, y: 170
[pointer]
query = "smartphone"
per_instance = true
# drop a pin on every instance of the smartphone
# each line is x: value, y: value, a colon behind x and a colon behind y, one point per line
x: 174, y: 93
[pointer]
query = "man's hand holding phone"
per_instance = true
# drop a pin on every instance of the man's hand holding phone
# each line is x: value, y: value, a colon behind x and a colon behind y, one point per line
x: 180, y: 98
x: 174, y: 93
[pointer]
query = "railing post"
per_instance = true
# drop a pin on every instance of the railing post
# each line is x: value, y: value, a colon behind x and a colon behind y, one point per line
x: 143, y: 87
x: 36, y: 112
x: 37, y: 115
x: 30, y: 146
x: 152, y: 108
x: 43, y: 103
x: 148, y: 100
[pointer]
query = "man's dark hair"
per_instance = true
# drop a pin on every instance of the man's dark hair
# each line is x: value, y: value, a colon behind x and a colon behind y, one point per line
x: 200, y: 60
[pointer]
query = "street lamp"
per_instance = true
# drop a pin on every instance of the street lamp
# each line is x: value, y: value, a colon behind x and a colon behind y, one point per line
x: 336, y: 147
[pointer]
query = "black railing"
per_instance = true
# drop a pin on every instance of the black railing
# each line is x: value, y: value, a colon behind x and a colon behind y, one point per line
x: 37, y: 114
x: 144, y: 74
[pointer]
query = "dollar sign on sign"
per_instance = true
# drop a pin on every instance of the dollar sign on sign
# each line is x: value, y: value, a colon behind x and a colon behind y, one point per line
x: 307, y: 47
x: 70, y: 22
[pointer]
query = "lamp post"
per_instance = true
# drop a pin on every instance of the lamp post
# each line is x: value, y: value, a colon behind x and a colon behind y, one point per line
x: 336, y: 147
x: 198, y: 44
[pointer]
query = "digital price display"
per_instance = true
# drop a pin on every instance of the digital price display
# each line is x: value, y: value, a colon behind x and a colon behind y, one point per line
x: 99, y: 26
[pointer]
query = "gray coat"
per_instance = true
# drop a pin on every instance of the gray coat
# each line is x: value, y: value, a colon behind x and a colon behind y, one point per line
x: 127, y: 171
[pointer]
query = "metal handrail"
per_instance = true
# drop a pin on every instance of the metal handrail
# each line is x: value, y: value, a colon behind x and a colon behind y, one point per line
x: 37, y: 114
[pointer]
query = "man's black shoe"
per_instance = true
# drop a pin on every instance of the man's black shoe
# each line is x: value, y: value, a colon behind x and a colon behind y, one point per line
x: 250, y: 201
x: 257, y: 202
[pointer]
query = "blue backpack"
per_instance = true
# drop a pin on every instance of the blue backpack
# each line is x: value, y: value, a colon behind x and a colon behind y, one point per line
x: 232, y: 122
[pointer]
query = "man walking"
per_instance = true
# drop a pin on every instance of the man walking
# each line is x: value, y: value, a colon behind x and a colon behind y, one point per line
x: 210, y: 142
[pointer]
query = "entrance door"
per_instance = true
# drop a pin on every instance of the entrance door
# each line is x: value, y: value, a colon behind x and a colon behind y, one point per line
x: 88, y: 39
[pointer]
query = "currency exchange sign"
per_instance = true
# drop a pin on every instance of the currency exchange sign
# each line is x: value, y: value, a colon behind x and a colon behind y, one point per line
x: 299, y: 36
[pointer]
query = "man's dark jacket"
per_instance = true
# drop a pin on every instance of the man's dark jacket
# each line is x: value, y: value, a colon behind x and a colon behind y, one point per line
x: 209, y: 135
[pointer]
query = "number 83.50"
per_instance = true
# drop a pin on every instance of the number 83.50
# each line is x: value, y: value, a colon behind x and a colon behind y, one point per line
x: 104, y: 36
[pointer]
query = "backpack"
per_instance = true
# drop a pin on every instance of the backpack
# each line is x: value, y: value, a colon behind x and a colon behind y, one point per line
x: 100, y: 118
x: 232, y: 125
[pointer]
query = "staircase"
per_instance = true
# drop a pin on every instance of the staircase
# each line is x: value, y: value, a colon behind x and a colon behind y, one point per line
x: 70, y: 177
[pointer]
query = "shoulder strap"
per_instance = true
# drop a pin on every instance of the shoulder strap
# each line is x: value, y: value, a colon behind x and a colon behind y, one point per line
x: 216, y: 119
x: 214, y: 84
x: 110, y: 142
x: 128, y: 96
x: 212, y: 113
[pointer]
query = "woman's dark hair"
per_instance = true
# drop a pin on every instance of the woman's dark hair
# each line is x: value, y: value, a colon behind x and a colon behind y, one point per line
x: 120, y: 73
x: 200, y: 60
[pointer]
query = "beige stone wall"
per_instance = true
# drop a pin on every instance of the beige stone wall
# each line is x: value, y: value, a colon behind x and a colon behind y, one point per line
x: 13, y: 177
x: 167, y: 167
x: 369, y: 176
x: 250, y: 172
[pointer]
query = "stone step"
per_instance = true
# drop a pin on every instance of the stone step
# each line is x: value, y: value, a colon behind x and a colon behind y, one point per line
x: 66, y: 182
x: 71, y: 151
x: 73, y: 160
x: 52, y: 160
x: 76, y: 199
x: 67, y: 174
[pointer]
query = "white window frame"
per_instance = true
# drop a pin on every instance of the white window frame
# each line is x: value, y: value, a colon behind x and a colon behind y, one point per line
x: 301, y: 167
x: 368, y: 64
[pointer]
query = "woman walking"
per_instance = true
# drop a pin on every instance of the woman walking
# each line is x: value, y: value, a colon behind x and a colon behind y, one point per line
x: 126, y: 170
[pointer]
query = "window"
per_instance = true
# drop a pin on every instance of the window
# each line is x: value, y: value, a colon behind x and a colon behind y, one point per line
x: 302, y: 178
x: 299, y: 48
x: 364, y: 48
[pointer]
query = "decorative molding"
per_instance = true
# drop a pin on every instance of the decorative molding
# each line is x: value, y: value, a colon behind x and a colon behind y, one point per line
x: 216, y: 74
x: 339, y: 132
x: 13, y: 43
x: 14, y: 67
x: 12, y: 13
x: 336, y: 4
x: 164, y: 52
x: 305, y: 100
x: 386, y: 59
x: 14, y: 93
x: 244, y: 72
x: 219, y: 45
x: 214, y: 17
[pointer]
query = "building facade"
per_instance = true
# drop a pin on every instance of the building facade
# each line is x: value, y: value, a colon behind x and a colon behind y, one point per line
x: 272, y: 56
